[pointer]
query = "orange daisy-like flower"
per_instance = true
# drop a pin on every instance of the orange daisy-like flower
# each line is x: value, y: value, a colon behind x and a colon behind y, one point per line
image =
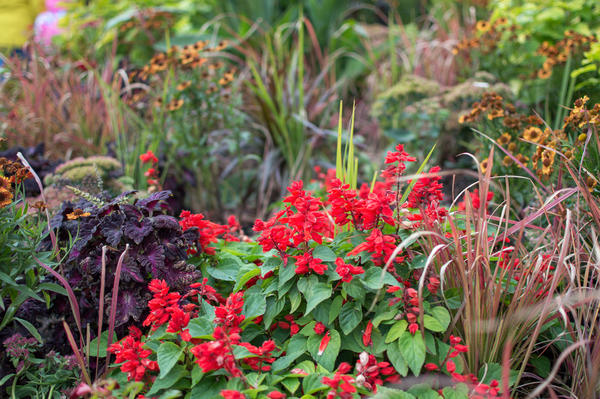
x: 590, y: 182
x: 504, y: 139
x: 5, y: 197
x: 484, y: 165
x: 522, y: 158
x: 544, y: 73
x: 175, y: 104
x: 482, y: 26
x: 512, y: 147
x: 41, y: 205
x: 77, y: 213
x: 533, y: 133
x: 184, y: 85
x: 507, y: 161
x: 5, y: 183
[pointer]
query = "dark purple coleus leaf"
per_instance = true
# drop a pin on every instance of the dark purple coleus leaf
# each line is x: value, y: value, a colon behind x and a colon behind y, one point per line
x: 152, y: 258
x: 111, y: 227
x: 130, y: 270
x: 137, y: 231
x: 155, y: 202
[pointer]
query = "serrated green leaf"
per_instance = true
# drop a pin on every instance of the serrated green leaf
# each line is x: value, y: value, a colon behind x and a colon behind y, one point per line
x: 200, y: 327
x: 432, y: 324
x: 350, y: 316
x: 296, y: 348
x: 103, y: 344
x: 167, y: 355
x: 314, y: 291
x: 329, y: 356
x: 324, y: 253
x: 291, y: 384
x: 442, y: 315
x: 177, y: 372
x: 336, y: 307
x: 255, y: 304
x: 312, y: 383
x: 412, y: 348
x: 395, y: 357
x: 396, y: 331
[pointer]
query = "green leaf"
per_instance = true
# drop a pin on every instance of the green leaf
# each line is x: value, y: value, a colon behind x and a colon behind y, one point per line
x: 296, y: 348
x: 442, y: 315
x: 373, y: 279
x: 286, y: 272
x: 314, y: 292
x: 274, y: 307
x: 197, y: 375
x: 255, y: 304
x: 432, y: 324
x: 412, y: 348
x: 168, y: 380
x: 247, y: 276
x: 329, y: 356
x: 336, y: 307
x: 31, y: 328
x: 460, y: 391
x: 295, y: 299
x: 200, y: 327
x: 393, y: 353
x: 350, y: 316
x: 384, y: 316
x: 291, y: 384
x: 312, y: 383
x: 453, y: 297
x: 324, y: 253
x: 396, y: 331
x: 389, y: 393
x: 4, y: 379
x: 103, y: 344
x: 167, y: 355
x: 424, y: 391
x: 227, y: 268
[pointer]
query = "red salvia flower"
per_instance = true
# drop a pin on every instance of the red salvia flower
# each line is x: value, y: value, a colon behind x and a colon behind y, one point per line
x: 131, y: 351
x: 305, y: 263
x: 263, y: 355
x: 347, y: 271
x: 319, y: 328
x: 324, y: 342
x: 148, y: 157
x: 366, y: 338
x: 232, y: 394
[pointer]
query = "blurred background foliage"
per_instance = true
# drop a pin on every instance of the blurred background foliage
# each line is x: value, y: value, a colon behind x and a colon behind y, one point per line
x: 411, y: 68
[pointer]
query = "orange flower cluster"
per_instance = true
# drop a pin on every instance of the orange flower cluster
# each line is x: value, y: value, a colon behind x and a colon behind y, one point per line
x: 486, y: 38
x: 185, y: 61
x: 580, y: 116
x: 520, y: 129
x: 559, y: 53
x: 186, y: 57
x: 11, y: 173
x: 149, y: 19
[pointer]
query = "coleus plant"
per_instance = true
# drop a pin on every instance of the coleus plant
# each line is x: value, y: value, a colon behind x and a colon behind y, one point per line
x: 323, y: 304
x: 157, y: 248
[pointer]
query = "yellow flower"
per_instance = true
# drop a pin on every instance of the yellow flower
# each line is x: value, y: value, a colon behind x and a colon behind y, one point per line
x: 484, y: 165
x: 5, y: 197
x: 544, y: 73
x: 175, y: 104
x: 522, y: 158
x: 184, y: 85
x: 581, y: 138
x: 77, y: 213
x: 507, y: 161
x: 512, y: 147
x: 504, y: 139
x: 590, y: 182
x: 5, y: 183
x: 533, y: 133
x: 482, y: 26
